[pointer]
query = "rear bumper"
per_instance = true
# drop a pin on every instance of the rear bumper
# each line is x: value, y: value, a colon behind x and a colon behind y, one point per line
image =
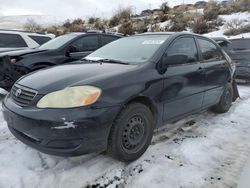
x: 68, y: 132
x: 243, y: 72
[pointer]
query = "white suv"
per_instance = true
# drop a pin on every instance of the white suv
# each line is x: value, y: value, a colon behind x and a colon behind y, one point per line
x: 15, y: 40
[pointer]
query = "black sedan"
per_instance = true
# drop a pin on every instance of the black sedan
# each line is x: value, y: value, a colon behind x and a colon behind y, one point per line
x: 61, y: 50
x: 114, y: 98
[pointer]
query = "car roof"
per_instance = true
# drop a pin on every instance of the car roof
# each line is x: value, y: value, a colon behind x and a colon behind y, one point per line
x: 239, y: 39
x: 22, y: 32
x: 76, y: 33
x: 95, y: 32
x: 169, y: 33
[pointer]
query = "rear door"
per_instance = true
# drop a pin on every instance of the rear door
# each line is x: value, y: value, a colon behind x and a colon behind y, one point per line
x: 105, y: 39
x: 217, y: 71
x: 183, y: 83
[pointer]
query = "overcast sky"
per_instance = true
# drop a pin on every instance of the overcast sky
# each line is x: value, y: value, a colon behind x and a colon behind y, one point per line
x: 62, y: 9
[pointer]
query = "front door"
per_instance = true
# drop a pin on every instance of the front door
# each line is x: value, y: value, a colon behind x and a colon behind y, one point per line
x: 183, y: 83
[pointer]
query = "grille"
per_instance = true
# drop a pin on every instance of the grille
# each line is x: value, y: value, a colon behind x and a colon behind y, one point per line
x: 21, y: 95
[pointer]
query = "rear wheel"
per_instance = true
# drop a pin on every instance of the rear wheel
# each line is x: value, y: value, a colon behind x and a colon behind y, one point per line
x: 131, y: 132
x: 225, y: 100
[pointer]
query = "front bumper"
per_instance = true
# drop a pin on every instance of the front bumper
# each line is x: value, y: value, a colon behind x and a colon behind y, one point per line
x: 10, y: 73
x: 63, y: 132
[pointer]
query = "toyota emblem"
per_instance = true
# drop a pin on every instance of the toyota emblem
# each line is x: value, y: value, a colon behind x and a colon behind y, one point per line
x: 18, y: 92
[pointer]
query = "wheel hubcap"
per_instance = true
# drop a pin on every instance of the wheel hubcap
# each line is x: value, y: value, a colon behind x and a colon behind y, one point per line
x: 133, y: 133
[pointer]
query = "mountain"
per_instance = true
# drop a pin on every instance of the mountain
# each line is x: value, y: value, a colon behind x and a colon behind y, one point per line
x: 17, y: 21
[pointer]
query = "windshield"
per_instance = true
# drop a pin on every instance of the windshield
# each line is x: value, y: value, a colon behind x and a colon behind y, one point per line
x: 57, y: 42
x: 133, y: 50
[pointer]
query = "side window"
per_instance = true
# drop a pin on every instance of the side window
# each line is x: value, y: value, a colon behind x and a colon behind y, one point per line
x: 11, y: 41
x: 184, y: 46
x: 107, y: 39
x: 209, y: 50
x: 39, y: 39
x: 88, y: 43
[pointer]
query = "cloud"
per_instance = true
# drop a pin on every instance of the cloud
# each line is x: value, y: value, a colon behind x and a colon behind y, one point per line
x: 63, y: 9
x: 18, y: 11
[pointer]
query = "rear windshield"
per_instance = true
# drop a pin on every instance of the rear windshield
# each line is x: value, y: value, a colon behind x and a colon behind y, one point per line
x: 57, y: 42
x: 40, y: 39
x: 241, y: 44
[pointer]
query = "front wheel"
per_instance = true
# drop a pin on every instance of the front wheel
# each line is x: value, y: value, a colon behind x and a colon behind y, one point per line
x: 225, y: 100
x: 131, y: 132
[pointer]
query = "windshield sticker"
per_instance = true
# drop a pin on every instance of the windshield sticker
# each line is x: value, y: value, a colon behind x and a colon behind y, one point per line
x: 153, y: 42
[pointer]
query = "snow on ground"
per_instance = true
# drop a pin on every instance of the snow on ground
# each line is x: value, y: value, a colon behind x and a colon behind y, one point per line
x: 242, y: 16
x: 220, y: 33
x: 209, y: 151
x: 165, y: 24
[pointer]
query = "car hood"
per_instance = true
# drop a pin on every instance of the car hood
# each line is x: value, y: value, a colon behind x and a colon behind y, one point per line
x: 21, y: 52
x: 59, y: 77
x: 2, y: 50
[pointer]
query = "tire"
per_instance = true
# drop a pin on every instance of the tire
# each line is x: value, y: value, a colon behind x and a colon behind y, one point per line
x: 131, y: 133
x: 225, y: 100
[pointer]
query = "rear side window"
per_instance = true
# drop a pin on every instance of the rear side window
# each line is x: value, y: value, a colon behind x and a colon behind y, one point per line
x: 240, y: 44
x: 108, y: 39
x: 184, y: 46
x: 11, y: 41
x: 40, y: 39
x: 88, y: 43
x: 209, y: 50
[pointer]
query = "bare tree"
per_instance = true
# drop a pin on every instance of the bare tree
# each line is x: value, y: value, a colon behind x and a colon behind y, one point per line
x: 32, y: 26
x: 164, y: 7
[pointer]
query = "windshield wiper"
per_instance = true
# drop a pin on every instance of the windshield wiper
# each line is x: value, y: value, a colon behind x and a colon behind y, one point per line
x: 89, y: 60
x: 113, y: 61
x: 106, y: 61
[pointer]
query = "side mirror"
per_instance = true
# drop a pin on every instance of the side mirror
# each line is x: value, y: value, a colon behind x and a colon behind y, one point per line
x: 70, y: 49
x: 174, y: 60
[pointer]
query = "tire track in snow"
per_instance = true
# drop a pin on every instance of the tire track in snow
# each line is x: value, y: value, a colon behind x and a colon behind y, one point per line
x: 225, y: 176
x: 98, y: 170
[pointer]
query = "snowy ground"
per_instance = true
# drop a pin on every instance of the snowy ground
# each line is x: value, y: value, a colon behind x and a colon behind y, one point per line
x: 210, y: 151
x: 244, y: 17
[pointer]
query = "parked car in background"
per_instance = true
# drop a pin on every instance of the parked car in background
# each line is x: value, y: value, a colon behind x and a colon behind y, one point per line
x: 17, y: 40
x: 120, y: 94
x: 61, y: 50
x: 239, y: 51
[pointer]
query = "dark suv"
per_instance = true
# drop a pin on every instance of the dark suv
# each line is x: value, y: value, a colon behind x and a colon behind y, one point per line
x: 120, y: 94
x: 61, y: 50
x: 239, y: 51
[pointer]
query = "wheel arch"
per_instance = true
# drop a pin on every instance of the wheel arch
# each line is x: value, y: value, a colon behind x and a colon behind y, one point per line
x: 41, y: 65
x: 143, y: 100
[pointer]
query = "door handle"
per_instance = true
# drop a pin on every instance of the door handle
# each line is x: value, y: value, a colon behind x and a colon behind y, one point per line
x: 201, y: 70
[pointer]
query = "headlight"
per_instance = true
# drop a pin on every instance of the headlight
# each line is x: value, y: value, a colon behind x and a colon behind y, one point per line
x: 70, y: 97
x: 13, y: 60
